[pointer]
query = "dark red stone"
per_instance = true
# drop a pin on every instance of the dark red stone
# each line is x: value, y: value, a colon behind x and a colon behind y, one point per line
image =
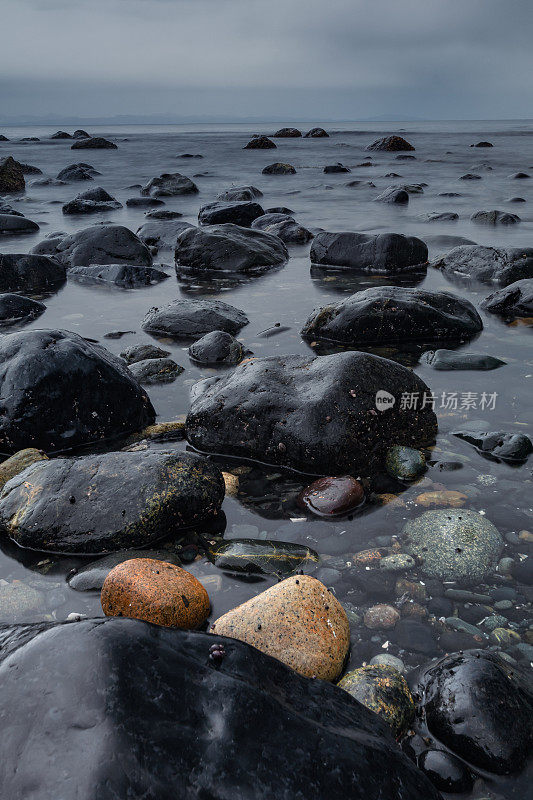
x: 332, y: 497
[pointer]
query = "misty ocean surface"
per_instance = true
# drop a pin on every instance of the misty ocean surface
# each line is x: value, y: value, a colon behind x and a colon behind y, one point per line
x: 265, y: 507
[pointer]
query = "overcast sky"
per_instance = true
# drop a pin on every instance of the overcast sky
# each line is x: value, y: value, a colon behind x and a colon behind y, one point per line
x: 338, y: 59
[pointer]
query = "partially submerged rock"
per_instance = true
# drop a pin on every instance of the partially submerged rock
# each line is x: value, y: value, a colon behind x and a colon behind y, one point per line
x: 169, y: 184
x: 260, y: 143
x: 512, y: 447
x: 217, y: 347
x: 279, y: 168
x: 240, y: 193
x: 494, y: 218
x: 99, y: 244
x: 390, y: 313
x: 369, y: 252
x: 287, y: 133
x: 446, y: 360
x: 139, y: 352
x: 15, y: 225
x: 20, y: 272
x: 315, y: 415
x: 488, y: 264
x: 163, y: 234
x: 190, y: 319
x: 393, y: 194
x: 298, y: 621
x: 106, y: 502
x: 316, y: 133
x: 238, y: 213
x: 228, y: 248
x: 515, y: 300
x: 77, y: 172
x: 391, y: 144
x: 261, y: 557
x: 93, y: 201
x: 125, y: 275
x: 11, y: 176
x: 404, y: 463
x: 16, y: 308
x: 332, y: 497
x: 60, y: 391
x: 94, y: 143
x: 155, y: 370
x: 149, y: 694
x: 284, y: 227
x: 90, y: 576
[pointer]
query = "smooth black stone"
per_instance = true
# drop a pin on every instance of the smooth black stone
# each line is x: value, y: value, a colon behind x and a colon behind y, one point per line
x: 94, y: 143
x: 393, y: 195
x: 284, y: 227
x: 20, y: 272
x: 287, y: 133
x: 124, y: 275
x: 123, y: 692
x: 139, y: 352
x: 145, y: 202
x: 99, y: 244
x: 260, y: 143
x: 163, y: 233
x: 515, y: 300
x: 333, y: 169
x: 446, y: 360
x: 500, y: 444
x: 279, y: 168
x: 389, y: 314
x: 190, y: 319
x: 388, y: 253
x: 238, y: 213
x: 57, y: 391
x: 169, y: 184
x: 446, y: 772
x: 217, y: 347
x: 479, y: 707
x: 390, y: 144
x: 92, y: 201
x: 80, y: 134
x: 15, y: 225
x: 155, y: 370
x: 163, y: 213
x: 61, y: 135
x: 228, y: 248
x: 14, y: 308
x: 494, y: 218
x: 316, y: 415
x: 77, y: 172
x: 240, y: 193
x: 316, y: 133
x: 440, y: 607
x: 487, y: 264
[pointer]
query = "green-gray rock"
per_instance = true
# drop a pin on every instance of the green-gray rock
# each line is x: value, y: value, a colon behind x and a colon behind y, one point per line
x: 404, y: 463
x: 18, y: 462
x: 452, y: 360
x: 261, y: 557
x: 453, y: 544
x: 107, y: 502
x: 385, y: 691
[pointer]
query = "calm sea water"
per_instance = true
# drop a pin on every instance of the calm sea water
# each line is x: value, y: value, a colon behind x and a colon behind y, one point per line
x: 266, y: 508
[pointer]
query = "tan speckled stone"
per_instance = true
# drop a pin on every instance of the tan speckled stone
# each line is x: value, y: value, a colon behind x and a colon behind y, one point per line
x: 155, y: 591
x: 298, y: 621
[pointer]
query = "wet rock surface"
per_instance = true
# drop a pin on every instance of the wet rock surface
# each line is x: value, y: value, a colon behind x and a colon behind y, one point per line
x: 93, y: 201
x: 11, y: 176
x: 101, y: 503
x: 125, y: 275
x: 191, y: 319
x: 44, y: 379
x: 155, y: 370
x: 217, y: 347
x: 170, y: 184
x: 448, y: 360
x: 479, y: 707
x: 77, y: 172
x: 384, y: 691
x: 238, y: 213
x: 315, y: 415
x: 388, y: 314
x: 260, y: 143
x: 111, y: 674
x: 515, y: 300
x: 487, y: 264
x: 228, y: 248
x: 15, y: 308
x: 279, y: 168
x: 99, y: 244
x: 391, y: 144
x: 494, y: 218
x: 162, y: 234
x: 331, y: 497
x: 390, y: 253
x: 283, y: 226
x: 512, y: 447
x: 94, y: 143
x: 15, y: 225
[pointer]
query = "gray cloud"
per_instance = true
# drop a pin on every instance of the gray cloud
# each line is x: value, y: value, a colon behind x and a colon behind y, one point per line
x: 420, y: 57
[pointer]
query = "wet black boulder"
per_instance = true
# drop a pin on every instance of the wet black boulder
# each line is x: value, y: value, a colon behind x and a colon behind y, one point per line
x: 61, y: 135
x: 287, y: 133
x: 390, y: 144
x: 189, y: 319
x: 169, y: 184
x: 386, y: 314
x: 315, y: 415
x: 487, y: 264
x: 260, y: 143
x: 237, y: 193
x: 20, y: 272
x: 15, y: 225
x: 217, y: 347
x: 394, y: 195
x: 369, y: 252
x: 125, y: 275
x: 284, y: 226
x: 92, y: 201
x: 99, y: 244
x: 182, y: 722
x: 228, y: 248
x: 110, y: 501
x: 511, y: 447
x: 494, y: 218
x: 57, y: 391
x: 15, y: 308
x: 94, y: 143
x: 77, y: 172
x: 316, y: 133
x: 481, y: 708
x: 162, y: 234
x: 515, y: 300
x: 239, y: 213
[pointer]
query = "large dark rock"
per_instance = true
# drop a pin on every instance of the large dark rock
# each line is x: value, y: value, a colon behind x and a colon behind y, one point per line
x: 15, y: 225
x: 447, y: 360
x: 239, y: 213
x: 334, y: 169
x: 494, y: 218
x: 260, y: 143
x: 182, y: 722
x: 61, y: 135
x: 480, y: 707
x: 279, y: 168
x: 77, y: 172
x: 512, y: 447
x: 369, y: 252
x: 316, y: 133
x: 20, y: 272
x: 163, y: 233
x: 11, y: 176
x: 390, y: 144
x: 14, y: 308
x: 99, y: 244
x: 284, y: 227
x: 57, y: 391
x: 515, y: 300
x: 385, y: 314
x: 287, y: 133
x: 94, y: 143
x: 106, y: 502
x: 228, y: 248
x: 315, y: 415
x: 169, y: 184
x: 125, y: 275
x: 393, y: 194
x: 217, y: 347
x: 29, y: 169
x: 80, y: 134
x: 92, y: 202
x: 145, y: 202
x: 190, y: 319
x: 238, y: 193
x: 155, y: 370
x: 487, y: 264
